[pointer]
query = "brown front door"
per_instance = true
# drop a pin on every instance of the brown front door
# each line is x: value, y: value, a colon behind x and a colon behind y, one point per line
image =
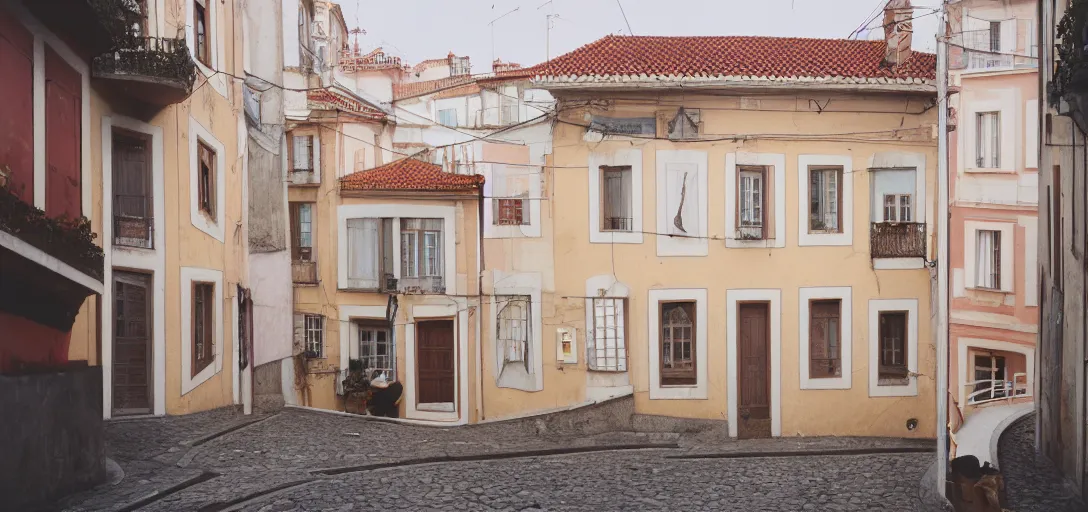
x: 131, y: 343
x: 754, y: 409
x: 435, y: 356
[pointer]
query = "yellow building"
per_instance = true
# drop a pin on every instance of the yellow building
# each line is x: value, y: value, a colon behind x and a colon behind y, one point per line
x: 159, y: 174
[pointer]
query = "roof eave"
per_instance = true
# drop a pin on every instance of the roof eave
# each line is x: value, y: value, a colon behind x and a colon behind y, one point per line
x: 411, y: 193
x: 841, y: 84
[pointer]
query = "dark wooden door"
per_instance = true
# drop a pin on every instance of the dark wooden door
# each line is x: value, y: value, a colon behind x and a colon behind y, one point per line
x: 131, y: 343
x: 754, y: 409
x: 435, y: 361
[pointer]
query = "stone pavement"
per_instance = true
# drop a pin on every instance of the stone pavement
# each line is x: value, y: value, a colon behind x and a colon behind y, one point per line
x: 1032, y: 484
x: 302, y: 460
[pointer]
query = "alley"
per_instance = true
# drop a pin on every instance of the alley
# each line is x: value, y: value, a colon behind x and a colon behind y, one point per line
x: 302, y: 460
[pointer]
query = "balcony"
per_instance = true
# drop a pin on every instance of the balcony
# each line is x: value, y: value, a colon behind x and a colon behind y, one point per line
x: 422, y: 285
x: 133, y: 221
x: 982, y: 50
x: 303, y: 178
x: 897, y: 240
x: 304, y: 272
x: 154, y: 70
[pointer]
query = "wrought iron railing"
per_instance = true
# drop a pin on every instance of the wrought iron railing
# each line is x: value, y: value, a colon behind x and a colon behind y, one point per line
x: 69, y: 240
x: 988, y: 390
x: 133, y: 221
x: 617, y: 224
x: 157, y: 57
x: 422, y: 285
x: 897, y: 240
x: 304, y: 272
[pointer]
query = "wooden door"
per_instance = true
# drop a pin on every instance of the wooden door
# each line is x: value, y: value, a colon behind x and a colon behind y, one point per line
x: 131, y: 343
x: 435, y: 366
x: 754, y: 409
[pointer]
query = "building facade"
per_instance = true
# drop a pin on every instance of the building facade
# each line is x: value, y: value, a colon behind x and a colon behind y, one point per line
x: 994, y: 180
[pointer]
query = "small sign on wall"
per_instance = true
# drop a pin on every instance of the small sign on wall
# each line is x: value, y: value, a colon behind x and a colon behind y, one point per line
x: 566, y: 341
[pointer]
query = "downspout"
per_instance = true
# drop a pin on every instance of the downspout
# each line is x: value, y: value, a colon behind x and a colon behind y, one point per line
x: 480, y: 305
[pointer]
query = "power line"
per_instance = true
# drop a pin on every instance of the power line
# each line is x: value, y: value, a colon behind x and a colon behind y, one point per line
x: 629, y: 31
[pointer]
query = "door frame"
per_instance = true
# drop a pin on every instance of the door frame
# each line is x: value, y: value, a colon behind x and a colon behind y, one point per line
x: 458, y: 312
x: 733, y: 299
x: 437, y: 406
x: 149, y: 320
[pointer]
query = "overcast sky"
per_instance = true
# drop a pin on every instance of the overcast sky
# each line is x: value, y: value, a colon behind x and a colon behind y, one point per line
x: 424, y: 29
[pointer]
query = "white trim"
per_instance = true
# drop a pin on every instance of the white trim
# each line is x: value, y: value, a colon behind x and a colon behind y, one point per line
x: 347, y: 314
x: 1031, y: 256
x: 491, y: 173
x: 846, y: 237
x: 846, y: 344
x: 525, y: 284
x: 875, y: 307
x: 685, y: 392
x: 696, y: 244
x: 438, y: 412
x: 1006, y: 105
x: 601, y: 385
x: 199, y: 219
x: 774, y: 297
x: 898, y: 263
x: 188, y: 276
x: 903, y: 161
x: 152, y: 260
x: 1031, y: 137
x: 632, y: 157
x: 964, y: 344
x: 16, y: 245
x: 448, y: 214
x: 970, y: 247
x: 777, y: 164
x: 218, y: 54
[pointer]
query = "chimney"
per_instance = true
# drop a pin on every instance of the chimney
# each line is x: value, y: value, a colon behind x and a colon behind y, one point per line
x: 898, y: 31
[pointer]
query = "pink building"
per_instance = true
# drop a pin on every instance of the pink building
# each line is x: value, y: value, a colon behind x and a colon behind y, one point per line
x: 993, y: 159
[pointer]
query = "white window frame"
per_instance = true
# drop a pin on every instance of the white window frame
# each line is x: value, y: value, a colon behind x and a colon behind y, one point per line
x: 876, y: 306
x: 528, y: 376
x: 697, y: 391
x: 693, y: 244
x: 448, y: 251
x: 897, y: 208
x: 313, y: 335
x: 844, y: 295
x: 495, y: 176
x: 599, y: 313
x: 846, y: 235
x: 190, y: 275
x: 964, y: 345
x: 605, y: 385
x: 772, y: 296
x: 357, y: 328
x: 199, y: 219
x: 1003, y: 102
x: 439, y: 114
x: 216, y: 50
x: 1008, y: 256
x: 619, y: 157
x: 987, y: 151
x: 775, y: 165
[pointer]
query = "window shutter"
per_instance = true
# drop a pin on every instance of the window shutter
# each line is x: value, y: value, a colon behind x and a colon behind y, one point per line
x: 363, y: 253
x: 300, y: 330
x: 295, y: 232
x: 316, y: 157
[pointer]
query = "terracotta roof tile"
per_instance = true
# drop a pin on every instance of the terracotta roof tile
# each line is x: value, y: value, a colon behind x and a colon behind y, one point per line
x: 330, y: 99
x: 460, y: 90
x: 747, y: 56
x: 412, y: 89
x: 410, y: 174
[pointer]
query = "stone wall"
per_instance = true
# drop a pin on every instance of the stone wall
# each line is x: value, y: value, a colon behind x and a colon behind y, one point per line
x: 52, y: 442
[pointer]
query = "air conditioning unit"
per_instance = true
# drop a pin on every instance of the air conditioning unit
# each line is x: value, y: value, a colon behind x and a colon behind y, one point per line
x: 389, y: 284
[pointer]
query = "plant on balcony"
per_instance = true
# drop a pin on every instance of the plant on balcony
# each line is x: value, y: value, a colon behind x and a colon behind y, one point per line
x: 134, y: 53
x: 67, y: 239
x: 1070, y: 51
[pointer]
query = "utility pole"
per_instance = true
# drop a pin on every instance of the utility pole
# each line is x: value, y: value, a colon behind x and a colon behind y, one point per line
x: 942, y: 247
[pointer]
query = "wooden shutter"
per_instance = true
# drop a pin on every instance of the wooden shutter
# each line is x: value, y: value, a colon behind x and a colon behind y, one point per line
x: 63, y: 141
x: 17, y: 107
x: 296, y: 233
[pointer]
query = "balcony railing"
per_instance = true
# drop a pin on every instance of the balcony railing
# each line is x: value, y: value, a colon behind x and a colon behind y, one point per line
x: 133, y: 221
x: 68, y: 240
x: 990, y: 390
x: 977, y: 53
x: 422, y: 285
x: 897, y: 240
x: 152, y: 69
x: 304, y: 272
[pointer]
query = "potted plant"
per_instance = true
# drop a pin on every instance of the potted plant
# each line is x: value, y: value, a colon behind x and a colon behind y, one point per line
x: 356, y: 388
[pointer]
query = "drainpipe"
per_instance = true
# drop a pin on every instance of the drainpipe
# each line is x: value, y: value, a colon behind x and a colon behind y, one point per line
x: 479, y: 305
x: 942, y: 256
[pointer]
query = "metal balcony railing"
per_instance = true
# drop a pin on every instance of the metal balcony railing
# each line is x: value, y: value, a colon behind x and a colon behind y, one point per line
x: 304, y: 272
x: 989, y: 390
x: 155, y: 61
x: 897, y: 240
x: 133, y: 221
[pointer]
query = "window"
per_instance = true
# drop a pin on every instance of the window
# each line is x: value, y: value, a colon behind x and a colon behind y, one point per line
x: 825, y: 200
x: 616, y: 214
x: 206, y: 179
x: 988, y: 140
x: 370, y: 253
x: 897, y: 208
x: 607, y: 340
x: 202, y: 23
x: 377, y: 351
x: 447, y: 117
x: 990, y: 373
x: 751, y: 212
x: 302, y: 231
x: 513, y: 328
x: 893, y: 349
x: 203, y: 342
x: 685, y: 125
x: 132, y: 213
x: 314, y: 335
x: 678, y: 343
x: 421, y: 255
x: 511, y: 212
x: 303, y: 149
x: 988, y: 253
x: 824, y: 338
x: 995, y: 36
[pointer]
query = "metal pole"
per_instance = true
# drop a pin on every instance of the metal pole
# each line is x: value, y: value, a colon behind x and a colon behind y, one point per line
x: 942, y: 249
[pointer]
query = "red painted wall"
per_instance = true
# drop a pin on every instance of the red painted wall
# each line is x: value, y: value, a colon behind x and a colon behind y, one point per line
x: 17, y: 107
x: 30, y: 343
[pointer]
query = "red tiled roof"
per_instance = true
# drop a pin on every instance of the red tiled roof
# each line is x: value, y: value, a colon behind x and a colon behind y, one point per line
x: 460, y: 90
x: 329, y: 99
x: 738, y: 56
x: 412, y: 89
x: 410, y: 174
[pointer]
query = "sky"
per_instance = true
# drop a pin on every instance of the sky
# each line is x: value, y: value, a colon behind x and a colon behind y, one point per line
x: 425, y: 29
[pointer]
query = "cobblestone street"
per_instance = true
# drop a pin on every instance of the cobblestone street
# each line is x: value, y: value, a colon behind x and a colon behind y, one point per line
x: 302, y: 460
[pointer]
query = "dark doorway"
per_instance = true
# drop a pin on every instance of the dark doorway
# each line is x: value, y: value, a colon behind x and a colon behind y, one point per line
x: 131, y: 343
x: 754, y: 409
x: 435, y: 361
